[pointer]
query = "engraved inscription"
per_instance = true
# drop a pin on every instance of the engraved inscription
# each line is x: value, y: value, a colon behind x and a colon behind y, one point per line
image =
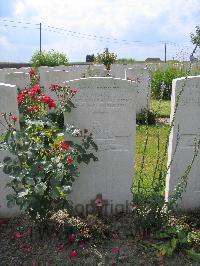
x: 192, y: 97
x: 101, y: 97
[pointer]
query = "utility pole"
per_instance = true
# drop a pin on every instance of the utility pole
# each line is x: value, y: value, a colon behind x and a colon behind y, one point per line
x: 40, y: 37
x: 165, y: 52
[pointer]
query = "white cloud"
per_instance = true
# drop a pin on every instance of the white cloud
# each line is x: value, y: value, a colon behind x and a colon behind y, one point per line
x: 123, y: 19
x: 111, y: 17
x: 5, y: 44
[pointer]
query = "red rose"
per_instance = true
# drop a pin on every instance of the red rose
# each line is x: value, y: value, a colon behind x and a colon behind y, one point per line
x: 45, y: 99
x: 14, y: 118
x: 25, y: 91
x: 35, y: 108
x: 64, y: 145
x: 74, y: 92
x: 35, y: 88
x: 51, y: 104
x: 16, y: 236
x: 19, y: 99
x: 82, y: 244
x: 30, y: 109
x: 32, y: 93
x: 71, y: 237
x: 54, y: 87
x: 73, y: 253
x: 32, y: 73
x: 29, y: 232
x: 69, y: 159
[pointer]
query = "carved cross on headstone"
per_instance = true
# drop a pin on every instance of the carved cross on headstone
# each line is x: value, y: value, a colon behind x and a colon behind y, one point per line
x: 98, y: 203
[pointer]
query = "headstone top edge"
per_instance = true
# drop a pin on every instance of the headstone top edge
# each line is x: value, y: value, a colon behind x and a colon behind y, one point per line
x: 7, y: 85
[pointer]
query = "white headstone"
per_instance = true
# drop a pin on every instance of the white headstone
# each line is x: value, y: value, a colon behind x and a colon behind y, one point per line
x: 106, y: 107
x: 20, y: 79
x: 2, y: 76
x: 188, y: 121
x: 50, y: 77
x: 142, y: 78
x: 5, y: 71
x: 24, y: 69
x: 8, y: 103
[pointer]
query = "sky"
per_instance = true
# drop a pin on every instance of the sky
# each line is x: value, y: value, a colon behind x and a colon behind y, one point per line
x: 130, y: 28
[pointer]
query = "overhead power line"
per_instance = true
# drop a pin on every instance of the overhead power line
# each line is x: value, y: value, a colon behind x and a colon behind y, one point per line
x: 81, y: 35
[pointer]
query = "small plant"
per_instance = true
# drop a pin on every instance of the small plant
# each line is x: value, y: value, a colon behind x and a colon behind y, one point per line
x: 176, y: 236
x: 50, y: 58
x: 146, y: 117
x: 162, y: 79
x: 106, y: 58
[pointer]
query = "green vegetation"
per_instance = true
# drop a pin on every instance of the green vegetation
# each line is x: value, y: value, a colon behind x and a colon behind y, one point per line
x: 151, y: 152
x: 49, y: 58
x: 106, y: 58
x: 165, y: 107
x: 161, y: 82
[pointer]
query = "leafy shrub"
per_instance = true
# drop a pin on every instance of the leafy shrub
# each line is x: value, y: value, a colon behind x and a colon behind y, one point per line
x: 175, y: 236
x: 106, y: 58
x: 146, y: 117
x: 161, y: 82
x: 42, y: 172
x: 50, y: 58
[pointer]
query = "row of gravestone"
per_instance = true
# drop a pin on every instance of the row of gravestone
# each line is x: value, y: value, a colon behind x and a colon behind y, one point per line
x: 107, y: 107
x: 58, y: 75
x: 79, y: 71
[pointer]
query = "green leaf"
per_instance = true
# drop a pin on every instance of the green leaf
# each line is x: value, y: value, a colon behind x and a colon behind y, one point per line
x: 193, y: 255
x: 54, y: 193
x: 30, y: 181
x: 7, y: 169
x: 7, y: 160
x: 10, y: 197
x: 23, y: 193
x: 66, y: 189
x: 40, y: 188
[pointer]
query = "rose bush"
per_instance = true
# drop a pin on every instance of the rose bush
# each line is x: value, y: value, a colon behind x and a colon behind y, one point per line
x: 42, y: 168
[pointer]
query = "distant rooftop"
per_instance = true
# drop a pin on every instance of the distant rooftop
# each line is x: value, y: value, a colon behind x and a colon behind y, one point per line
x: 153, y: 59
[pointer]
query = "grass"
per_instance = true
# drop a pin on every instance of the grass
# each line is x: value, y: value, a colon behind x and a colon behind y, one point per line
x: 151, y: 152
x: 164, y: 107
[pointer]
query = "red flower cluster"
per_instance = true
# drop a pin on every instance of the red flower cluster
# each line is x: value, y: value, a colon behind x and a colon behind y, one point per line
x: 73, y: 253
x: 25, y: 248
x: 64, y: 145
x: 33, y: 108
x: 14, y: 118
x: 74, y: 92
x: 69, y: 159
x: 35, y: 93
x: 35, y: 88
x: 16, y: 236
x: 71, y: 238
x: 32, y: 73
x: 49, y: 101
x: 54, y: 87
